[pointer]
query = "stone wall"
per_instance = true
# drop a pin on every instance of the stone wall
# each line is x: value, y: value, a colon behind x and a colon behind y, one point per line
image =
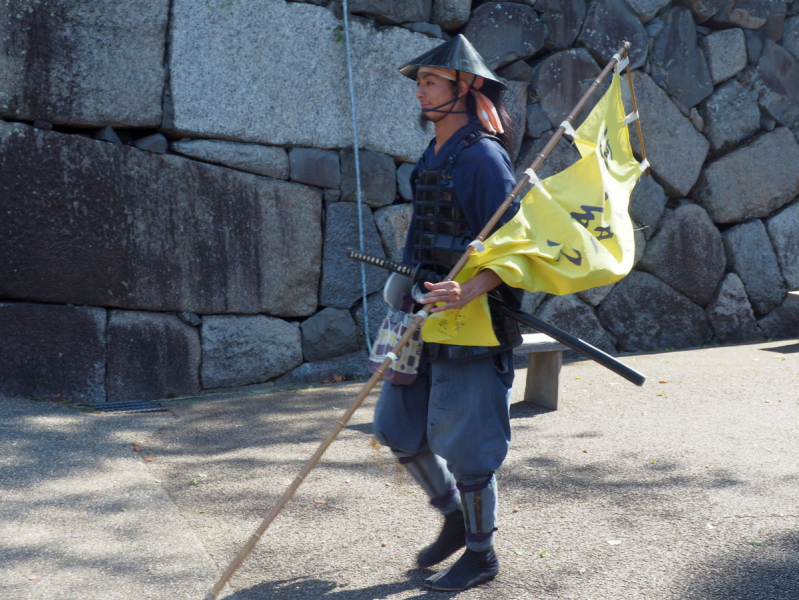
x: 177, y: 184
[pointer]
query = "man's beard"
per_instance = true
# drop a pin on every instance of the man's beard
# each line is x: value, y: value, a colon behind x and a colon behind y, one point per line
x: 424, y: 119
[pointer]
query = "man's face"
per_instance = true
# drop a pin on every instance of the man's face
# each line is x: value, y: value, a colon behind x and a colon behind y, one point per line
x: 432, y: 91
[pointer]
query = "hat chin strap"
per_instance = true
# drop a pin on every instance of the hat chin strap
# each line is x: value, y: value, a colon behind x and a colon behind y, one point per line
x: 455, y: 99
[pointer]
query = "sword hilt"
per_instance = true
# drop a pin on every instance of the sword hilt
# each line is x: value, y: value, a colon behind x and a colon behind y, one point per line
x: 416, y: 274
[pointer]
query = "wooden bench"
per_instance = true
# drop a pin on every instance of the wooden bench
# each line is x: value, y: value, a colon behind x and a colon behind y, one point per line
x: 545, y: 357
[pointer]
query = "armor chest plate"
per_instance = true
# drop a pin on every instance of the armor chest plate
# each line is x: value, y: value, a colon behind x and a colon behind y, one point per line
x: 441, y: 231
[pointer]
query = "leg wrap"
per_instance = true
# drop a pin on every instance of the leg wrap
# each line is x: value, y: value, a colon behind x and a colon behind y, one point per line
x: 431, y: 472
x: 480, y: 513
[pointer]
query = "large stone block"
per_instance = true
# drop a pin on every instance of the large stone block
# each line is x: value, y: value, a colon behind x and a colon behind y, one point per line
x: 393, y: 12
x: 647, y: 9
x: 503, y: 32
x: 86, y: 222
x: 687, y: 253
x: 515, y: 98
x: 392, y: 224
x: 329, y: 333
x: 675, y: 149
x: 607, y: 23
x: 643, y: 313
x: 83, y: 63
x: 574, y: 316
x: 47, y: 350
x: 782, y: 322
x: 751, y: 256
x: 725, y: 187
x: 777, y: 84
x: 240, y: 350
x: 783, y: 229
x: 730, y: 313
x: 270, y: 161
x: 726, y: 53
x: 561, y: 79
x: 790, y: 36
x: 233, y: 86
x: 451, y: 14
x: 151, y: 356
x: 376, y: 312
x: 647, y: 203
x: 378, y: 177
x: 702, y: 10
x: 751, y: 14
x: 564, y: 18
x: 677, y: 63
x: 730, y: 116
x: 349, y: 367
x: 341, y: 277
x: 315, y: 167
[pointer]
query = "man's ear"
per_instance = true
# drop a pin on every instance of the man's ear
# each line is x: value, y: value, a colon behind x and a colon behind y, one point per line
x: 463, y: 88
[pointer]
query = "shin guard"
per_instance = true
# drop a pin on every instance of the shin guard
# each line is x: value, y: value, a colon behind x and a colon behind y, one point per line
x: 480, y: 513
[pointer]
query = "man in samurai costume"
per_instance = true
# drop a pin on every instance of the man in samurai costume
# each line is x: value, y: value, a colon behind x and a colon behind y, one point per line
x: 451, y: 427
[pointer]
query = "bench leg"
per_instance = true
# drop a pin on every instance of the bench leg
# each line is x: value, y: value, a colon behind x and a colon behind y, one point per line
x: 543, y: 372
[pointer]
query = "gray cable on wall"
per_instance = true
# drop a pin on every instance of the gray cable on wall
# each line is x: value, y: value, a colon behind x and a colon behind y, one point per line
x: 357, y: 175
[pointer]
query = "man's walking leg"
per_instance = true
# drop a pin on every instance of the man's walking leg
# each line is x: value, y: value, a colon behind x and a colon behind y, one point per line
x: 431, y: 472
x: 479, y: 562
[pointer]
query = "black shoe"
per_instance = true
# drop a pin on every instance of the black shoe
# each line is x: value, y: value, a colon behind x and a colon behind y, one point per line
x: 451, y: 539
x: 471, y: 569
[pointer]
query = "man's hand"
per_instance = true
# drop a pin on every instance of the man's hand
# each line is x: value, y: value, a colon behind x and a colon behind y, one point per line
x: 458, y: 295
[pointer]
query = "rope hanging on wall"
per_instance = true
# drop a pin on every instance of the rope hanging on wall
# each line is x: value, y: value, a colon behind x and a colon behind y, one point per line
x: 355, y: 148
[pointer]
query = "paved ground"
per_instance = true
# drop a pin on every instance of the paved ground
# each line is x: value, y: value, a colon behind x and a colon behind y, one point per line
x: 685, y: 488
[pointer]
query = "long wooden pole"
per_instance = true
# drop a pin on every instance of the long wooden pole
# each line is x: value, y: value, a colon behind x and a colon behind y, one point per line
x: 417, y: 322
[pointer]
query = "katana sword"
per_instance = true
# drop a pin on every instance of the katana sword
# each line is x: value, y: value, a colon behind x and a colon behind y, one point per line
x: 419, y: 273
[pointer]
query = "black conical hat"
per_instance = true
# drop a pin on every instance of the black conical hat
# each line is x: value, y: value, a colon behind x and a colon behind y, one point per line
x: 456, y: 54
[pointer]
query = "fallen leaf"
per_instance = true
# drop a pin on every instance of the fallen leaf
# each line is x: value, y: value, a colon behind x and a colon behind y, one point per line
x: 347, y: 480
x: 654, y: 462
x: 384, y: 544
x: 662, y: 381
x: 124, y: 510
x: 518, y: 552
x: 321, y: 501
x: 33, y: 577
x: 660, y: 393
x: 756, y: 543
x: 516, y: 509
x: 586, y: 451
x: 148, y: 459
x: 542, y: 554
x: 203, y: 474
x: 136, y: 448
x: 202, y: 512
x: 528, y: 468
x: 325, y: 382
x: 157, y: 480
x: 338, y: 378
x: 614, y: 542
x: 194, y: 482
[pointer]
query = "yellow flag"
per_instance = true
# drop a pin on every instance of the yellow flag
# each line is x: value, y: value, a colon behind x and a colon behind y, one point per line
x: 572, y: 232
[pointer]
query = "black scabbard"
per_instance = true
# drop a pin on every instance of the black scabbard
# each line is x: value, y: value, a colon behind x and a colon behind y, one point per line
x: 575, y: 343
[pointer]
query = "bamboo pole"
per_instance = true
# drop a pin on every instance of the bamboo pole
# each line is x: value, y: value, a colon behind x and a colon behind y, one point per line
x: 414, y: 326
x: 637, y: 121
